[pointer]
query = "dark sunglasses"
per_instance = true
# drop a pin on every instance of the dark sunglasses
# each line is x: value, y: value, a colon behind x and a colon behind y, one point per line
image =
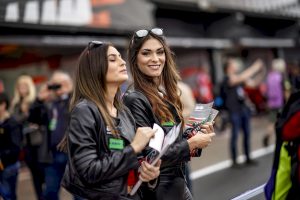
x: 143, y: 33
x: 94, y: 44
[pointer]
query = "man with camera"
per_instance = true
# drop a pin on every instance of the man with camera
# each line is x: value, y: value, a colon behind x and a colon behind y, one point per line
x: 60, y: 87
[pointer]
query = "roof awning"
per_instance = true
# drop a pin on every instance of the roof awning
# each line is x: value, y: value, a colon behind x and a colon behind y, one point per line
x: 59, y: 41
x: 113, y: 14
x: 81, y: 41
x: 199, y: 42
x: 267, y: 42
x: 275, y: 8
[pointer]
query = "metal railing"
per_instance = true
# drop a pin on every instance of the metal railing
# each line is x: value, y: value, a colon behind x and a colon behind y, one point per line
x: 251, y: 193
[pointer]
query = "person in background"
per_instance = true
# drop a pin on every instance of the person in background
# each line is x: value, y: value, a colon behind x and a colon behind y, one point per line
x: 291, y: 133
x: 2, y: 89
x: 60, y: 86
x: 10, y: 145
x: 284, y: 182
x: 24, y: 97
x: 204, y: 86
x: 294, y: 77
x: 235, y: 103
x: 188, y: 104
x: 274, y: 94
x: 154, y: 98
x: 101, y: 140
x: 187, y: 98
x: 39, y: 155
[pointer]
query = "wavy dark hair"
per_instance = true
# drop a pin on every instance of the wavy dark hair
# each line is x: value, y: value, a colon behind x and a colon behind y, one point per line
x: 147, y: 85
x: 90, y: 83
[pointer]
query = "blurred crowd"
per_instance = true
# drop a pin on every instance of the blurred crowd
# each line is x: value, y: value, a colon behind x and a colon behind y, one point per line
x: 31, y: 125
x: 36, y: 117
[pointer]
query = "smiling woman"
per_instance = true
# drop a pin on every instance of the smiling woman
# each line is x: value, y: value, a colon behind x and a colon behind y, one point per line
x: 151, y: 58
x: 155, y: 98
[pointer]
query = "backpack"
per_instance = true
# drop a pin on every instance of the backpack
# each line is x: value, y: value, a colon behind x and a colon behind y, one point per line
x: 283, y: 182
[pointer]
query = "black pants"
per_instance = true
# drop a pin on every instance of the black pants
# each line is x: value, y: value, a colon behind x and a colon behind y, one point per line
x: 36, y: 169
x: 174, y: 188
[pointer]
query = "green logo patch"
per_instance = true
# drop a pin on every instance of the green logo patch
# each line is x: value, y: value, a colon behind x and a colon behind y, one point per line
x: 169, y: 123
x: 116, y: 144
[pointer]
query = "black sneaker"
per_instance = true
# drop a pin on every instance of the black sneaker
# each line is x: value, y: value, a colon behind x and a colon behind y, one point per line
x: 265, y: 141
x: 236, y: 165
x: 251, y: 162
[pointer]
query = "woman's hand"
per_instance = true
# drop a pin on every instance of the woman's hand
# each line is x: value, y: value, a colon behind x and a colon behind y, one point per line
x: 142, y: 138
x: 207, y: 128
x: 149, y: 172
x: 203, y: 138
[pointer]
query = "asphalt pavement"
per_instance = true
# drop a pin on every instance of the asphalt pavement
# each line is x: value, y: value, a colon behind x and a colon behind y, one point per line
x: 232, y: 182
x: 212, y: 175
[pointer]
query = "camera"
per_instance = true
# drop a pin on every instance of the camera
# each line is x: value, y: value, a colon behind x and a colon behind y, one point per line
x: 54, y: 86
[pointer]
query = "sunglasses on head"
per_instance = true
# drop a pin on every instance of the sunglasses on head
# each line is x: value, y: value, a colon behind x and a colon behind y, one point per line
x: 94, y: 44
x: 143, y: 33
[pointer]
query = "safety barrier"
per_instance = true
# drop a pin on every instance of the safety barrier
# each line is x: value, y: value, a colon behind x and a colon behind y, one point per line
x: 251, y: 193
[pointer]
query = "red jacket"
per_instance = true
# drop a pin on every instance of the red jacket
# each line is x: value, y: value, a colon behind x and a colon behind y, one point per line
x: 291, y: 131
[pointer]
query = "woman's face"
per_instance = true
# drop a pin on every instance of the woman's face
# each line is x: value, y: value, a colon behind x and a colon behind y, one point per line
x: 151, y: 58
x: 116, y: 72
x: 234, y: 67
x: 23, y: 88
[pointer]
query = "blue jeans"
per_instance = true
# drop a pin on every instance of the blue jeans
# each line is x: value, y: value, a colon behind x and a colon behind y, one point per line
x: 240, y: 119
x: 8, y: 181
x: 53, y: 175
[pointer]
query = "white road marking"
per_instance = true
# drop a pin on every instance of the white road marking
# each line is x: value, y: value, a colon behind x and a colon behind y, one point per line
x: 227, y: 163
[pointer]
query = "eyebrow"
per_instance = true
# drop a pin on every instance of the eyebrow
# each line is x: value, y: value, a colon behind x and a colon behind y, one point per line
x: 112, y: 54
x: 161, y: 48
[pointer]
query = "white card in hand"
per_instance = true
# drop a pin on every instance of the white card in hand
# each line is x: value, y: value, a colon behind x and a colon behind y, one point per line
x: 157, y: 141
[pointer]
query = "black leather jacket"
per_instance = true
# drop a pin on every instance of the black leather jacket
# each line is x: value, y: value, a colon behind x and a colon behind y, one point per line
x: 10, y: 141
x: 172, y: 184
x: 143, y: 114
x: 95, y: 170
x: 173, y: 162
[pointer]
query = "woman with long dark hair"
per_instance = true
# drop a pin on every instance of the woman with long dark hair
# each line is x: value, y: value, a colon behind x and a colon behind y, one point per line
x: 155, y: 98
x: 101, y: 140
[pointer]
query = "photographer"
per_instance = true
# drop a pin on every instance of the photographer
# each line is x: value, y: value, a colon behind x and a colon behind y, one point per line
x: 60, y: 87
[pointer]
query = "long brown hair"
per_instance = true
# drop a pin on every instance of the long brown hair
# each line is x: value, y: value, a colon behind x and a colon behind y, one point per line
x: 90, y: 83
x: 147, y: 85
